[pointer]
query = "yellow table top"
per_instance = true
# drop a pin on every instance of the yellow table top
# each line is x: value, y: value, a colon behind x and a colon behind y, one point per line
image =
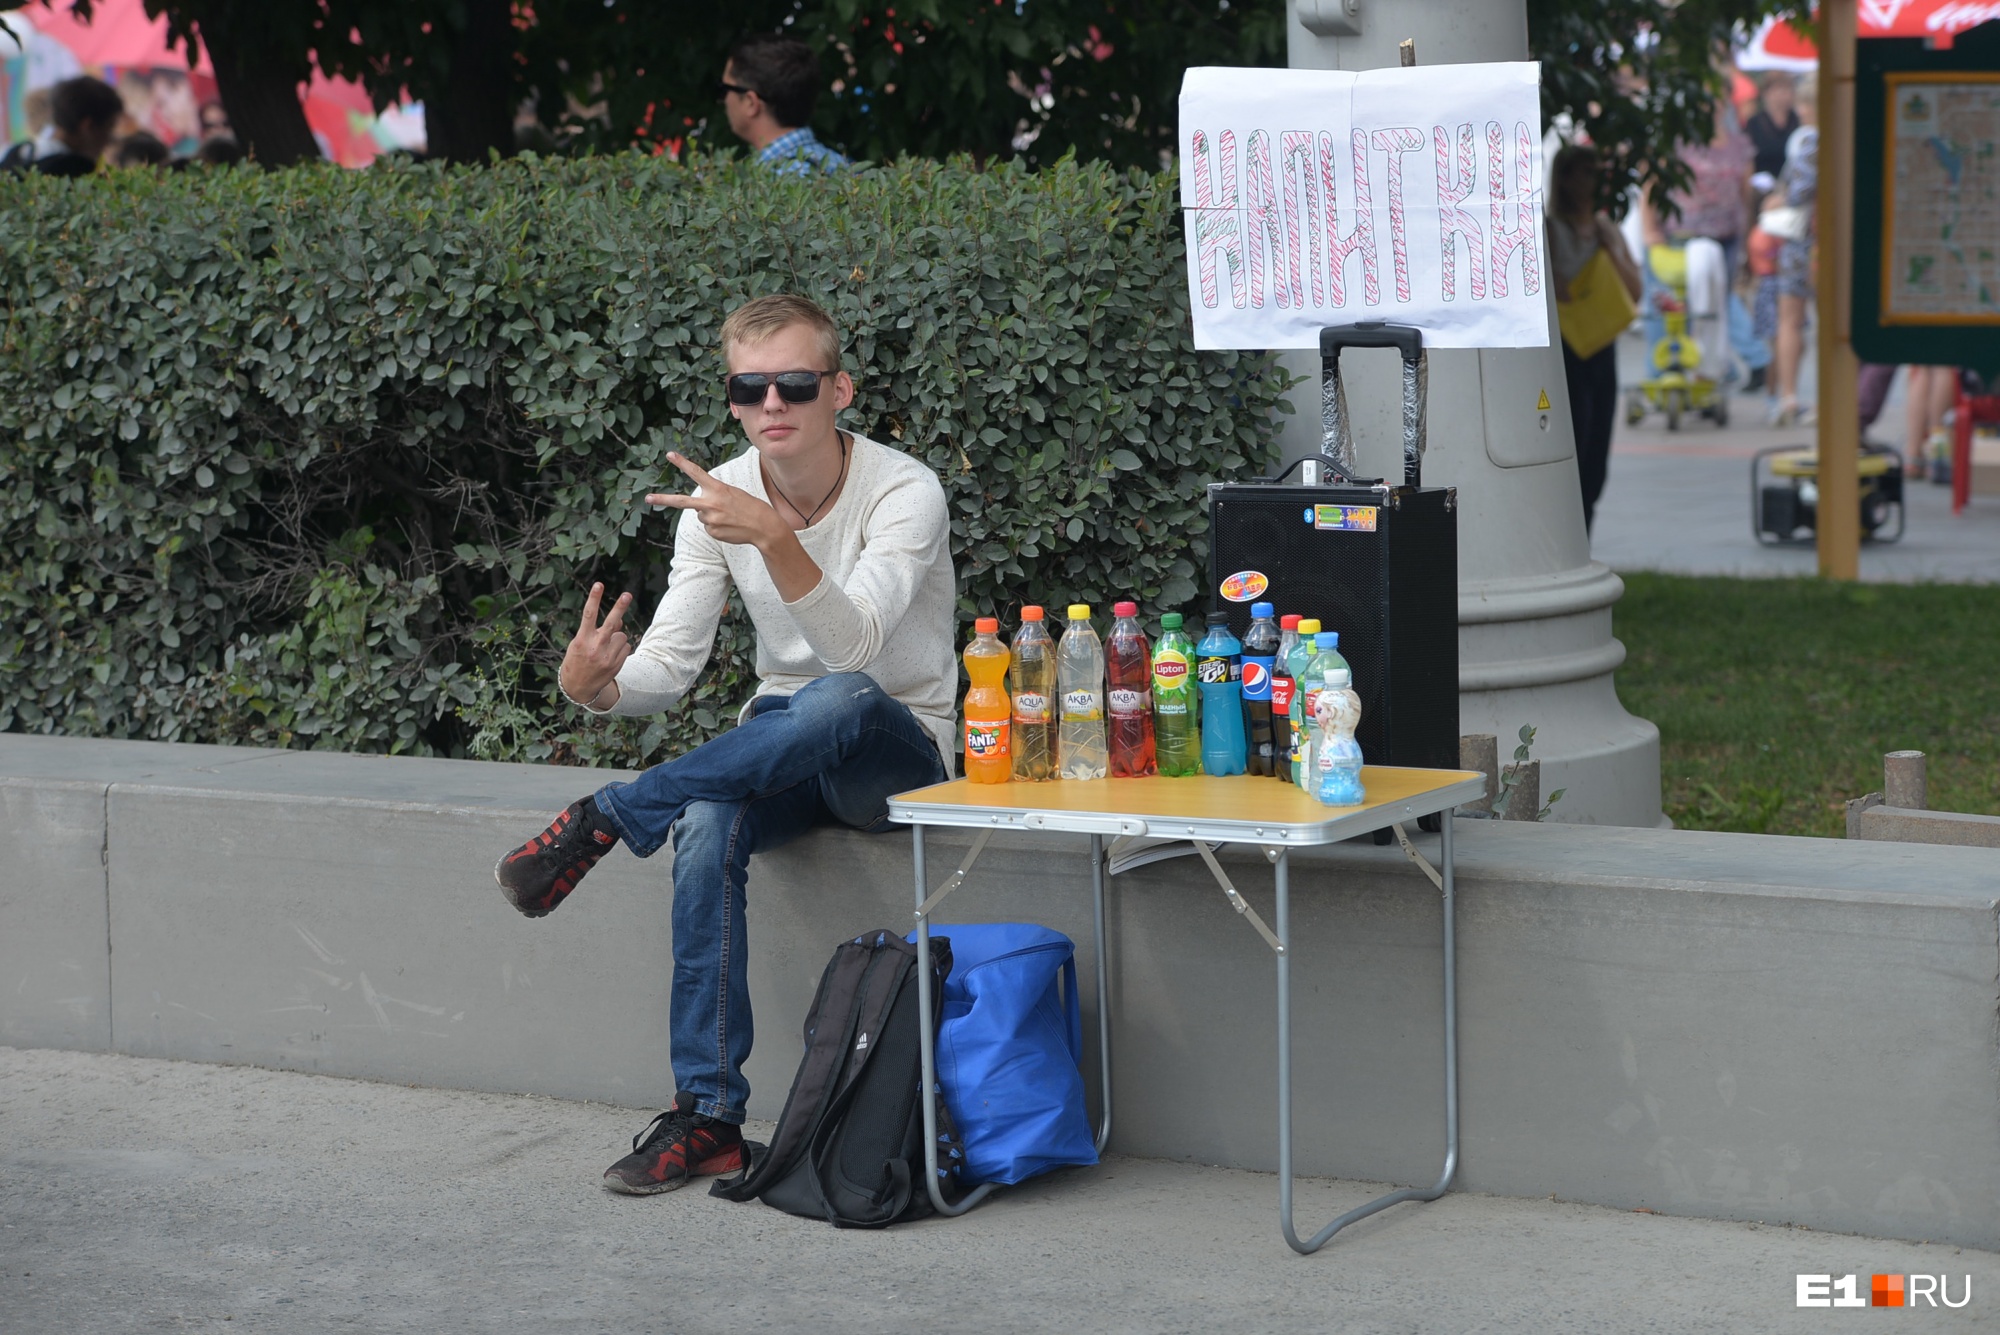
x: 1234, y: 808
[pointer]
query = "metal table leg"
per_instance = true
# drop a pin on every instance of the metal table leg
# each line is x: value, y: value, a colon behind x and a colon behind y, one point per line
x: 926, y: 1045
x: 1320, y: 1238
x: 1103, y: 992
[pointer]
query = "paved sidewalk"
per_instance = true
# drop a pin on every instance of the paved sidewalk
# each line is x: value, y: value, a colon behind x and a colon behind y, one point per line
x: 146, y: 1196
x: 1680, y: 502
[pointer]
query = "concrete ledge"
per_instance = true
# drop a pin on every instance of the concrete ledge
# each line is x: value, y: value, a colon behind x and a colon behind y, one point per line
x: 1915, y: 826
x: 1725, y: 1025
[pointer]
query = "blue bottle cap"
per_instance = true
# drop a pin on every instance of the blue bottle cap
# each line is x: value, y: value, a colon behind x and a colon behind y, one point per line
x: 1327, y: 639
x: 1263, y: 609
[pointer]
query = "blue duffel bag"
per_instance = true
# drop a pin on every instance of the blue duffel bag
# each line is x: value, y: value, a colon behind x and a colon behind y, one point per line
x: 1009, y: 1048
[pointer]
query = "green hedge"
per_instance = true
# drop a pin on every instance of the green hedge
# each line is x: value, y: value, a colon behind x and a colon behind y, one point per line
x: 326, y: 459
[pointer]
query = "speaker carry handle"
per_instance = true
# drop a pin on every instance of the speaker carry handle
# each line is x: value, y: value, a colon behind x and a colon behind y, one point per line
x: 1311, y: 464
x: 1336, y: 436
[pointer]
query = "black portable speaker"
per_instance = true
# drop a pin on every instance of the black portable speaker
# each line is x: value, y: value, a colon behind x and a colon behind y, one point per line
x: 1375, y: 562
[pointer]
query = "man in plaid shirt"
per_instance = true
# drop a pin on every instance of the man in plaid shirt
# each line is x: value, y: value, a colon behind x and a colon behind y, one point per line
x: 768, y: 88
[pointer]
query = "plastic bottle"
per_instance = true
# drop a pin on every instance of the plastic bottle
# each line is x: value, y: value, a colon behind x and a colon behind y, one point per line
x: 1326, y: 661
x: 1299, y: 659
x: 1080, y: 671
x: 1282, y: 690
x: 988, y: 758
x: 1336, y: 714
x: 1034, y: 691
x: 1219, y: 665
x: 1176, y: 709
x: 1129, y: 664
x: 1260, y: 653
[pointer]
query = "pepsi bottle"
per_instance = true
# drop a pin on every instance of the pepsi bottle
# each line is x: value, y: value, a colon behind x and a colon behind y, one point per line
x: 1260, y: 655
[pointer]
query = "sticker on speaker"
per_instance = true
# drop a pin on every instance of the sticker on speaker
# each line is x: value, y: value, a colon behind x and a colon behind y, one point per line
x: 1349, y: 518
x: 1246, y: 585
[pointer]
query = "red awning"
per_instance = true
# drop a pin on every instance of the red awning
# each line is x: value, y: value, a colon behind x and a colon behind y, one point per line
x: 1777, y: 45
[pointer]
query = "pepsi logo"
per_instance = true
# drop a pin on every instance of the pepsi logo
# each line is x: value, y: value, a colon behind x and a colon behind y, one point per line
x: 1255, y: 675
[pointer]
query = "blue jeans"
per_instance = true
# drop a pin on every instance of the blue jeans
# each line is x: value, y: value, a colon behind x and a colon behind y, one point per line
x: 834, y: 752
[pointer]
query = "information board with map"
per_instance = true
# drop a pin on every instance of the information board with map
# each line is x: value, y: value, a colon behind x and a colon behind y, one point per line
x: 1941, y: 229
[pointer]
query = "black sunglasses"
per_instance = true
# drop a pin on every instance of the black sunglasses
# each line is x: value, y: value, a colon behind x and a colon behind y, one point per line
x: 748, y: 388
x: 723, y: 88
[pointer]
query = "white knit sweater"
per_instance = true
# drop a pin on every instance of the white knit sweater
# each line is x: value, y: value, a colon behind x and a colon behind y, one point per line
x: 886, y: 604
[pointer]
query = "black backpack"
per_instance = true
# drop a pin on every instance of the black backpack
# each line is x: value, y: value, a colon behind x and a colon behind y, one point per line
x: 849, y: 1147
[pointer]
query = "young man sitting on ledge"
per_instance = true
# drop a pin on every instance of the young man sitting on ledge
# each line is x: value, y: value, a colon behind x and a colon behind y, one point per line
x: 840, y: 551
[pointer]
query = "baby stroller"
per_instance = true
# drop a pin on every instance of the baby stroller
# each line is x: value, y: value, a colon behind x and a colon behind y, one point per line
x: 1687, y: 286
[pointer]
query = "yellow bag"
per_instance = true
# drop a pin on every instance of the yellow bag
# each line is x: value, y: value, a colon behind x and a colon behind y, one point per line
x: 1599, y: 308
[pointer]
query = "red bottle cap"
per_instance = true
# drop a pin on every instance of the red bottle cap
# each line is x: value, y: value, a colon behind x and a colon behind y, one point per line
x: 1288, y: 622
x: 1124, y: 609
x: 1031, y: 613
x: 987, y: 625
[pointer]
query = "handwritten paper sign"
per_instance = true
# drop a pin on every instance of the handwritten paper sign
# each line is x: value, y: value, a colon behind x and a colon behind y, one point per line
x: 1319, y: 197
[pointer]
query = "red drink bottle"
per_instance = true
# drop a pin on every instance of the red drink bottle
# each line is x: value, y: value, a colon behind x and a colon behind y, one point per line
x: 1129, y: 664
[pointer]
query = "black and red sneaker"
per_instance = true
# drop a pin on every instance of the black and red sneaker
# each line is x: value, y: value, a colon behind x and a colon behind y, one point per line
x: 538, y: 874
x: 678, y: 1147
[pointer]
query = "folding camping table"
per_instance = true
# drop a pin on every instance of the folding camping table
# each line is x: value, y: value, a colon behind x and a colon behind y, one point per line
x: 1276, y: 817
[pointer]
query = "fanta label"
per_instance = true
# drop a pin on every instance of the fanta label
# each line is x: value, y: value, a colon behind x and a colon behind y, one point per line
x: 1031, y: 707
x: 986, y: 740
x: 1080, y: 704
x: 1125, y: 701
x: 1282, y: 691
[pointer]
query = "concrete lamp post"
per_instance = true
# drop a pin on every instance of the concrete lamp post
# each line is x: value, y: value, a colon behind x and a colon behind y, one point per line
x: 1535, y: 642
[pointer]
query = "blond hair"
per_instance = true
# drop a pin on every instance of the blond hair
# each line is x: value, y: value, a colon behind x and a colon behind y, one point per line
x: 758, y: 320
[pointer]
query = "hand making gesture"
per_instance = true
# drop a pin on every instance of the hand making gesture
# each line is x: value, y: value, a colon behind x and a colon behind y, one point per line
x: 593, y: 658
x: 730, y: 514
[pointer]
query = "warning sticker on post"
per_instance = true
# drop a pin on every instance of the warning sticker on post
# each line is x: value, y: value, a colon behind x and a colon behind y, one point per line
x: 1322, y: 197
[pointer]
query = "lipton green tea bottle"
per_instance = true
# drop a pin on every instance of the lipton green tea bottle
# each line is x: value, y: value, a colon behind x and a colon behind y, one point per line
x: 1176, y: 716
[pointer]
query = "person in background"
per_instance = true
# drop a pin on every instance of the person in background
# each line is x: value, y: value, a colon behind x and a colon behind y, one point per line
x: 83, y: 114
x: 768, y: 88
x: 1716, y: 206
x: 1928, y: 398
x: 219, y: 151
x: 1798, y: 189
x: 1577, y: 230
x: 1770, y: 128
x: 140, y: 149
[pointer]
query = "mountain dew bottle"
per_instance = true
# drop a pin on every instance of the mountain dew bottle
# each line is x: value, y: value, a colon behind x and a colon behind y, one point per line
x: 1176, y: 718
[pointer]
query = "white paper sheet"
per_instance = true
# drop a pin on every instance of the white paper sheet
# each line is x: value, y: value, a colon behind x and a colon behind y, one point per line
x: 1320, y: 197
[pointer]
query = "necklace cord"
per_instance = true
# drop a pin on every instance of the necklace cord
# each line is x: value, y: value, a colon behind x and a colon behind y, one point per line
x: 773, y: 483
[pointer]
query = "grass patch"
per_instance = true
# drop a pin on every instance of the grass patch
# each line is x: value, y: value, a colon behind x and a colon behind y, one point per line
x: 1776, y: 698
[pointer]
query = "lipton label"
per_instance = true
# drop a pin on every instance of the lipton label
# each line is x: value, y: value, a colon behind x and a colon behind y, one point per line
x: 1245, y: 585
x: 1170, y: 670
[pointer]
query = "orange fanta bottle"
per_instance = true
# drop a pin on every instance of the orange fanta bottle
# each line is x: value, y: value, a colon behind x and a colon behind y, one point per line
x: 988, y: 756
